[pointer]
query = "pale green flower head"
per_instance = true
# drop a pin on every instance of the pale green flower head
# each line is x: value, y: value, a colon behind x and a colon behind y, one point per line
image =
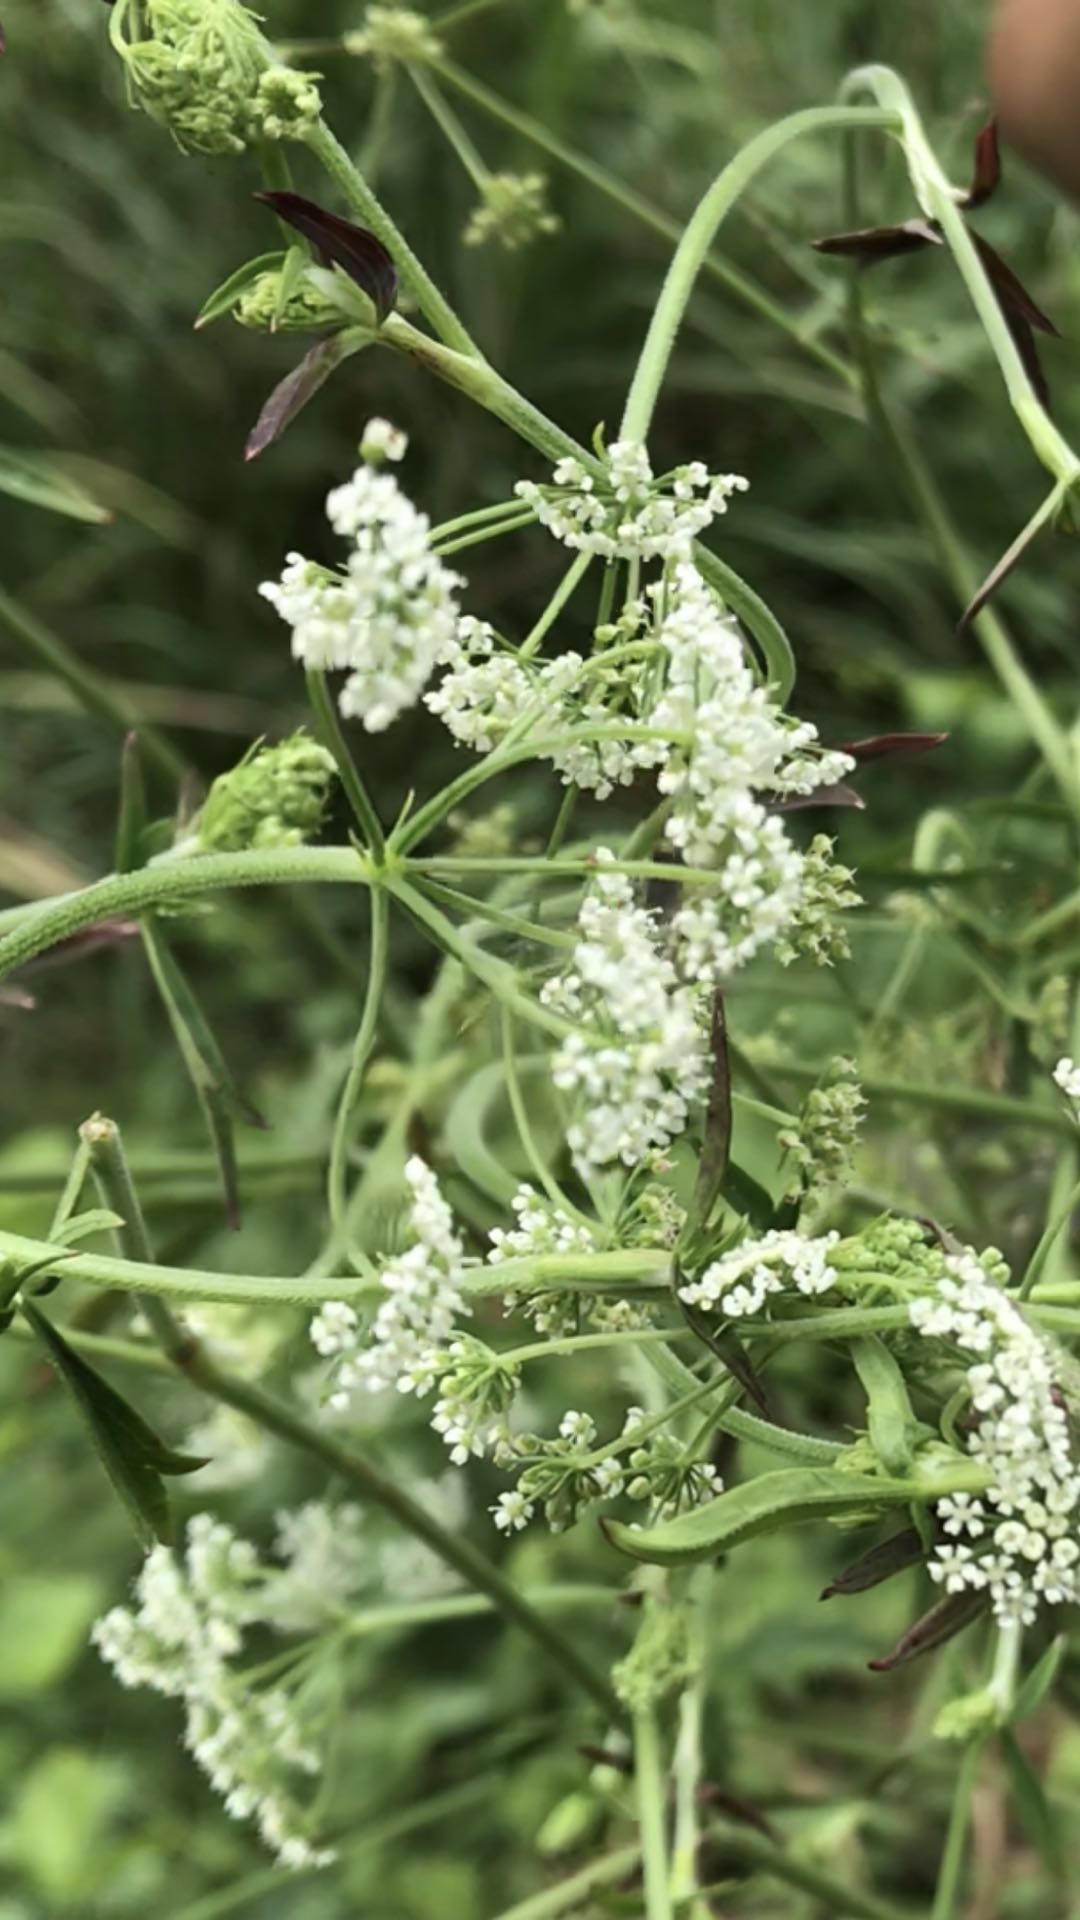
x: 513, y: 211
x: 276, y: 797
x: 394, y: 33
x: 276, y: 302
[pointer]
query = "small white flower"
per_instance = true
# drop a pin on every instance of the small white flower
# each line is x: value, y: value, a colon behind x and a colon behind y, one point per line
x: 512, y: 1511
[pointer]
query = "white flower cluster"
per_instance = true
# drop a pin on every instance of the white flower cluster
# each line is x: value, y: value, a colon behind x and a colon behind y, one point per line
x: 731, y: 745
x: 638, y: 1058
x: 569, y: 1473
x: 1024, y: 1526
x: 391, y: 615
x: 741, y: 1281
x: 1067, y: 1077
x: 179, y: 1640
x: 629, y: 514
x: 543, y: 1228
x: 416, y: 1315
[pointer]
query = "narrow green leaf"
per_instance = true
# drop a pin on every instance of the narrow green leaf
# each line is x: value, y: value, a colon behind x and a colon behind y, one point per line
x: 131, y: 819
x: 42, y: 482
x: 1036, y: 1814
x: 130, y: 1451
x: 224, y: 298
x: 1038, y: 1682
x: 788, y: 1498
x: 761, y: 624
x: 82, y: 1226
x: 220, y: 1098
x: 890, y: 1419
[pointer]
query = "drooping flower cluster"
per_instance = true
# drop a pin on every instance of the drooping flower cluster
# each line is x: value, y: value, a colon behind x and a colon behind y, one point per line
x: 414, y: 1322
x: 1067, y: 1077
x: 513, y: 211
x: 390, y: 616
x: 741, y: 1281
x: 637, y: 1059
x: 180, y: 1639
x: 731, y: 745
x: 1017, y: 1542
x: 628, y: 513
x: 821, y: 1146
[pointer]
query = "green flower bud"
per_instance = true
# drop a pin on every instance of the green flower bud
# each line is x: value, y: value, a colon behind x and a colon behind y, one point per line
x: 394, y: 33
x: 659, y: 1662
x: 203, y: 69
x: 272, y: 305
x: 276, y: 797
x: 816, y: 933
x: 513, y: 211
x: 968, y: 1717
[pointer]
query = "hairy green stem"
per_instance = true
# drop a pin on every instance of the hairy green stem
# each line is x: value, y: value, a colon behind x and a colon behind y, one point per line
x: 361, y: 1053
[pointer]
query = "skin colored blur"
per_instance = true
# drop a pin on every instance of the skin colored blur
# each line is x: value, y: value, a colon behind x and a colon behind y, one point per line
x: 1034, y: 70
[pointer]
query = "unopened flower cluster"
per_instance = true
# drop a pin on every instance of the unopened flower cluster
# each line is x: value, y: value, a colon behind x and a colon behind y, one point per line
x: 1017, y: 1542
x: 394, y: 33
x: 821, y: 1146
x: 565, y: 1475
x: 203, y: 69
x: 513, y: 211
x: 276, y: 797
x: 628, y: 514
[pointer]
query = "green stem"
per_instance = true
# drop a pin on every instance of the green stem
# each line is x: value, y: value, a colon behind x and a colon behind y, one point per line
x: 361, y: 1053
x: 567, y: 586
x: 1055, y: 1227
x: 112, y: 1177
x: 947, y: 1894
x: 936, y: 197
x: 437, y: 310
x: 499, y: 978
x: 467, y: 1606
x: 570, y: 1894
x: 699, y: 235
x: 760, y: 1856
x: 127, y: 894
x: 449, y: 125
x: 651, y: 1784
x: 329, y: 729
x: 91, y: 689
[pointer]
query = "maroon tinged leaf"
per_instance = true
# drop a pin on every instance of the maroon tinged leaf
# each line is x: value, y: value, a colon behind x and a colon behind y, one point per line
x: 889, y: 1557
x: 882, y: 746
x: 292, y: 394
x: 948, y: 1618
x: 341, y: 243
x: 869, y: 244
x: 986, y: 175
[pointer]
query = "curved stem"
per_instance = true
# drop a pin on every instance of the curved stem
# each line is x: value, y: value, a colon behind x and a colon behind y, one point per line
x: 700, y: 234
x: 361, y: 1053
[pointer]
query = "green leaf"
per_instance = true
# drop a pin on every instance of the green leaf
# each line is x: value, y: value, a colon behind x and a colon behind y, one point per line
x: 131, y: 822
x: 60, y: 1818
x: 225, y: 298
x: 44, y: 1621
x: 82, y: 1226
x: 760, y: 623
x: 1038, y: 1682
x: 789, y: 1498
x: 131, y: 1452
x: 42, y: 482
x: 1036, y: 1814
x: 219, y: 1096
x: 892, y: 1424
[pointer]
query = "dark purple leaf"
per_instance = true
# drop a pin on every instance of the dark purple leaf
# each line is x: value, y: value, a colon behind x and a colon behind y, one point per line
x: 110, y: 933
x: 986, y: 176
x: 1009, y: 559
x: 342, y: 244
x: 890, y: 1556
x: 729, y: 1348
x: 948, y: 1618
x: 292, y: 394
x: 882, y: 746
x: 709, y: 1794
x: 1020, y: 314
x: 869, y: 244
